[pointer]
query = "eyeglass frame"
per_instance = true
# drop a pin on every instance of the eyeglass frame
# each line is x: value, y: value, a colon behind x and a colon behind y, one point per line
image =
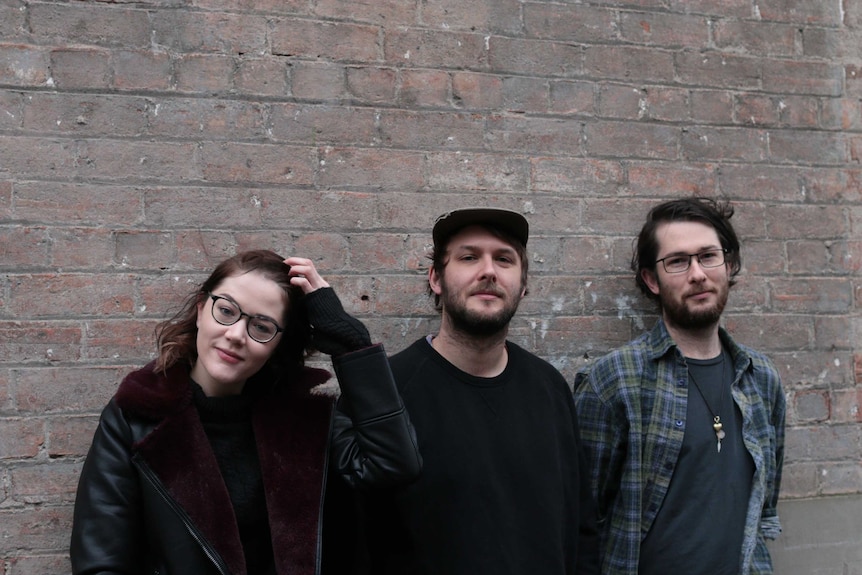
x: 724, y: 252
x: 215, y: 298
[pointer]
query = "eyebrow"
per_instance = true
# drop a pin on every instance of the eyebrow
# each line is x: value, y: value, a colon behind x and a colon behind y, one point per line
x: 257, y: 315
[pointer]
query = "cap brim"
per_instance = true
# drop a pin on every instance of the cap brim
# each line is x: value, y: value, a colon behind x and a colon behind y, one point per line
x: 510, y: 221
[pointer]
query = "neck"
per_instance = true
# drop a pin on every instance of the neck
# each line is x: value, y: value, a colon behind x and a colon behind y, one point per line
x: 701, y: 343
x: 484, y: 356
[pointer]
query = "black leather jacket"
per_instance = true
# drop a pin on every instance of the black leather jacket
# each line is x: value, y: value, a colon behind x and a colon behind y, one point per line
x: 151, y: 499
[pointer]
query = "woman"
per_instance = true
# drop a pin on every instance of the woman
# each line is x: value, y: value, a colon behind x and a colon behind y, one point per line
x: 217, y: 457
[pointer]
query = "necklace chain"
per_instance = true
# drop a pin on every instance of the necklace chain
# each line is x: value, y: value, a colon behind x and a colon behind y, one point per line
x: 717, y: 426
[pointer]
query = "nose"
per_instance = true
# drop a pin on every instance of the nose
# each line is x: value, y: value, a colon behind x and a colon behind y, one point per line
x: 237, y: 331
x: 696, y: 273
x: 489, y: 270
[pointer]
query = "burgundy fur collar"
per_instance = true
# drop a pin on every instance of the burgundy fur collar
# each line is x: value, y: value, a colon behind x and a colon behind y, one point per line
x: 291, y: 428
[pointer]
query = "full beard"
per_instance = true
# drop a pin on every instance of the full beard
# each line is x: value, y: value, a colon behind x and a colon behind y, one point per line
x: 679, y: 314
x: 474, y: 323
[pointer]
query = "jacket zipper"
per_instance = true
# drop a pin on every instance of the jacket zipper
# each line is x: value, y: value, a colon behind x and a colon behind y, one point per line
x: 211, y: 554
x: 319, y: 552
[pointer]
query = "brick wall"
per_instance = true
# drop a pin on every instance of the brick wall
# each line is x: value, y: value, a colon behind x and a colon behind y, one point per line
x: 141, y: 142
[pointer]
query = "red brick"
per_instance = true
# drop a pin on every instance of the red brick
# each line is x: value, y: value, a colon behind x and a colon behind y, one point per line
x: 142, y: 70
x: 499, y: 16
x: 73, y: 68
x: 572, y: 98
x: 724, y: 144
x: 718, y: 70
x: 801, y: 111
x: 263, y: 163
x: 472, y: 90
x: 54, y: 482
x: 262, y: 76
x: 40, y: 342
x: 800, y: 12
x: 390, y: 12
x: 665, y: 29
x: 812, y: 257
x: 423, y: 88
x: 5, y: 200
x: 11, y: 110
x: 216, y: 32
x: 433, y: 130
x: 842, y: 114
x: 469, y: 171
x: 826, y: 295
x: 70, y: 435
x: 564, y: 175
x: 39, y: 157
x: 382, y: 252
x: 134, y: 160
x: 21, y: 437
x: 199, y: 73
x: 371, y: 85
x: 568, y: 22
x: 536, y: 58
x: 724, y: 8
x: 328, y: 251
x: 82, y: 248
x: 533, y: 135
x: 756, y: 37
x: 65, y: 390
x: 629, y: 63
x: 661, y: 180
x: 39, y: 564
x: 317, y: 80
x: 89, y: 24
x: 367, y: 169
x: 219, y: 119
x: 832, y: 184
x: 756, y: 110
x: 41, y: 295
x: 22, y: 65
x: 833, y: 332
x: 195, y: 248
x: 36, y: 528
x: 315, y: 125
x: 808, y: 148
x: 12, y: 24
x: 306, y: 38
x: 428, y: 48
x: 636, y: 140
x: 795, y: 77
x: 93, y: 115
x: 59, y: 203
x: 711, y: 106
x: 790, y: 222
x: 23, y: 247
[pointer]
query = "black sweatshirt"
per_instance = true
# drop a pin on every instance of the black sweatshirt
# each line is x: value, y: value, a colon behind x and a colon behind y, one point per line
x: 502, y: 489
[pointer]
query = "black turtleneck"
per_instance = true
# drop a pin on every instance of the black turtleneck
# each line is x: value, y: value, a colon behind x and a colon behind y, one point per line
x: 228, y: 425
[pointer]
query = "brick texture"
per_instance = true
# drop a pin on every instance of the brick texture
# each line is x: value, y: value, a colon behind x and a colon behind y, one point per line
x: 140, y: 145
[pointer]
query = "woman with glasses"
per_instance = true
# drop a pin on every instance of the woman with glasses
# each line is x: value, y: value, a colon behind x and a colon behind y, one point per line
x: 221, y: 456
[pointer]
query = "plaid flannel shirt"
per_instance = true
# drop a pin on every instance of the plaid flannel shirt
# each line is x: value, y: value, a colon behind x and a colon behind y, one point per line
x: 631, y: 410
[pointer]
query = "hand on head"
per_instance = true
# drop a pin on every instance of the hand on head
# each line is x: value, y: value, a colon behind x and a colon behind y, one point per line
x: 304, y: 275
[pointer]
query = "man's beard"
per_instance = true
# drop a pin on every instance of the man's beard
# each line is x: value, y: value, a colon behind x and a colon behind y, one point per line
x: 677, y: 313
x: 473, y: 322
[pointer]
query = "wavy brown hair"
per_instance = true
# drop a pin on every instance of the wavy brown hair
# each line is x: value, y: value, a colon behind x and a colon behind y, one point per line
x: 176, y: 338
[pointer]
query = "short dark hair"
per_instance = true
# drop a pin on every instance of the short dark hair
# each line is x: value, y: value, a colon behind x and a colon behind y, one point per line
x: 714, y: 213
x: 438, y: 255
x: 176, y: 338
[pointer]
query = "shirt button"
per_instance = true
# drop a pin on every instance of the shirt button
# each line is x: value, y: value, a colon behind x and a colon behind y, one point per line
x: 679, y: 423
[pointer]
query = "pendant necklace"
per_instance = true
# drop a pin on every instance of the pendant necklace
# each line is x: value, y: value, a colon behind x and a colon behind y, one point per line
x: 716, y: 416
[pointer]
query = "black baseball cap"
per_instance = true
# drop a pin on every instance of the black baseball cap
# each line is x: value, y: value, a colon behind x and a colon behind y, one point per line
x: 449, y: 223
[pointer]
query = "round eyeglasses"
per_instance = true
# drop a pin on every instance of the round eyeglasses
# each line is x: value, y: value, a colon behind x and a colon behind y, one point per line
x: 678, y: 263
x: 260, y: 329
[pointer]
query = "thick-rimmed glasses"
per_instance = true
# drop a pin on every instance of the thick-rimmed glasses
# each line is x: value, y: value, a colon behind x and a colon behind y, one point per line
x: 678, y: 263
x: 260, y: 329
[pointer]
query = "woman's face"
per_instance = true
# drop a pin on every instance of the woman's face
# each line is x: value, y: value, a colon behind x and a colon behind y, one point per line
x: 227, y: 356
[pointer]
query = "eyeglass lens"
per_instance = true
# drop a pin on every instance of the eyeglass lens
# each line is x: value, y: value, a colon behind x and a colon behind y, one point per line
x: 227, y: 312
x: 680, y: 263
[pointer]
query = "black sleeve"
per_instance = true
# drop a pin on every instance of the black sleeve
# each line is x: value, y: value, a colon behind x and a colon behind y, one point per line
x: 107, y: 527
x: 373, y: 442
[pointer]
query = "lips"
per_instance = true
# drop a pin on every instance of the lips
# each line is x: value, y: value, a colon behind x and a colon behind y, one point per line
x: 228, y: 356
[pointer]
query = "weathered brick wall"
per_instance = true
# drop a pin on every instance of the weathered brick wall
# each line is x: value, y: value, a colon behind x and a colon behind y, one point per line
x: 141, y: 142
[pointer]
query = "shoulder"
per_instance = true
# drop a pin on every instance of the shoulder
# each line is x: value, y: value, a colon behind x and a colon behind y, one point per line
x: 151, y: 394
x: 410, y: 360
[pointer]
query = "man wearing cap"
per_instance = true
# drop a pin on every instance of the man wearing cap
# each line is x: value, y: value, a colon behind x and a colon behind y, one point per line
x: 503, y: 490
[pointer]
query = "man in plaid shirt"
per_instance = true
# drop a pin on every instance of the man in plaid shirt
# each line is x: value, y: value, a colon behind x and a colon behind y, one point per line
x: 684, y: 427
